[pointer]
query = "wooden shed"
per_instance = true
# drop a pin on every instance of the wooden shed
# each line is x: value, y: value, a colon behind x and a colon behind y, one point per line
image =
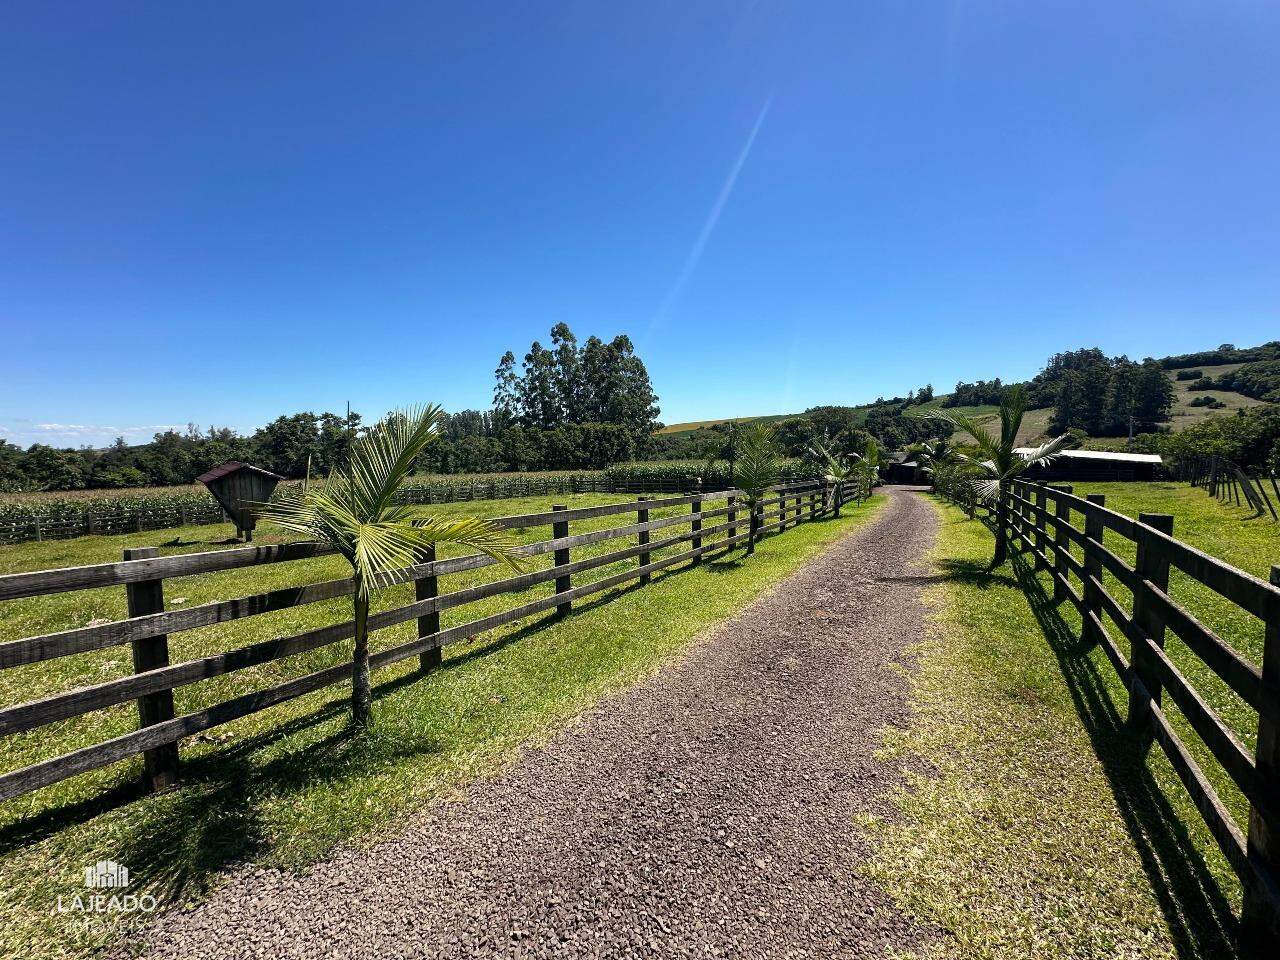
x: 902, y: 469
x: 235, y: 486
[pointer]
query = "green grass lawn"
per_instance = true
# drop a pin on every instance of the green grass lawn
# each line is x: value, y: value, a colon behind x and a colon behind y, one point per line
x: 285, y: 785
x: 1035, y: 822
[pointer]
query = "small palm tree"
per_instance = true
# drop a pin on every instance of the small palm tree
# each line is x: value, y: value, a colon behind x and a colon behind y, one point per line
x: 839, y: 469
x: 935, y: 457
x: 996, y: 460
x: 757, y: 468
x: 870, y: 459
x: 354, y: 512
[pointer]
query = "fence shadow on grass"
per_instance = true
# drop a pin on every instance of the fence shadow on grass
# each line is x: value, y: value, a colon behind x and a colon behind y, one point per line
x: 1200, y: 918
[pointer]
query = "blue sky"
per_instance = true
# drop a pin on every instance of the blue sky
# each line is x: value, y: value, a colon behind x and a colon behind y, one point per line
x: 222, y: 212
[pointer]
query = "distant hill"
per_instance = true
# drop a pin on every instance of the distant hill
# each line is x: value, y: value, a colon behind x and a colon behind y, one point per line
x: 1036, y: 424
x: 679, y: 429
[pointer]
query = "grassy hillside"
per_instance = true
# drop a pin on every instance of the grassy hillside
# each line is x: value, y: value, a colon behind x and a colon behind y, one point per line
x: 678, y: 429
x: 1184, y: 415
x: 1035, y: 426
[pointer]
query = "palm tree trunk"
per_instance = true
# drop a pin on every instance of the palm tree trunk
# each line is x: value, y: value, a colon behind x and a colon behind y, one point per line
x: 753, y: 527
x: 361, y: 693
x: 1002, y: 521
x: 839, y: 497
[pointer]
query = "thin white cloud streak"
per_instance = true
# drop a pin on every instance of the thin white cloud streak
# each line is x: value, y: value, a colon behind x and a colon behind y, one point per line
x: 709, y: 225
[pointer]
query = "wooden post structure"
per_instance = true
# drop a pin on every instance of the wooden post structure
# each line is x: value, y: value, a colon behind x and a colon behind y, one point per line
x: 426, y: 588
x: 1062, y: 516
x: 561, y: 529
x: 1152, y: 565
x: 1260, y: 915
x: 1042, y: 542
x: 151, y: 653
x: 642, y: 516
x: 695, y: 524
x: 1093, y: 529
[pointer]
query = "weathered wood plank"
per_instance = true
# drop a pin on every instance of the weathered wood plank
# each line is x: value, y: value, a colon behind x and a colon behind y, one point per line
x: 39, y: 582
x: 1222, y: 743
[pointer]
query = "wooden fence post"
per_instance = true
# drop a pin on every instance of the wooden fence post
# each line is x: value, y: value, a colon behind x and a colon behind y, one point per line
x: 1018, y: 514
x: 425, y: 588
x: 561, y: 529
x: 1093, y: 530
x: 143, y: 598
x: 732, y: 518
x: 642, y: 516
x: 1260, y: 916
x: 1062, y: 514
x: 813, y: 504
x: 1152, y: 565
x: 696, y: 523
x: 1042, y: 534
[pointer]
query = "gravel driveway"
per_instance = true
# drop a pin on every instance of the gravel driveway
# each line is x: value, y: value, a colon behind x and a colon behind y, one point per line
x: 707, y: 811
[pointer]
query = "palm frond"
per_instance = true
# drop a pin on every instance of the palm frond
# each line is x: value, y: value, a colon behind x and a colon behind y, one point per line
x: 966, y: 424
x: 837, y: 468
x: 382, y: 458
x: 757, y: 466
x: 1048, y: 451
x: 383, y: 548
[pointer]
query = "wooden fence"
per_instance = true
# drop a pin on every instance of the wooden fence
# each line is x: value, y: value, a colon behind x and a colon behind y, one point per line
x: 1040, y: 523
x: 1230, y: 483
x: 142, y: 574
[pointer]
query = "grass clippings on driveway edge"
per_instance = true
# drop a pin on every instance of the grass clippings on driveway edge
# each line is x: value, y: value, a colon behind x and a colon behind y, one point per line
x: 1030, y: 826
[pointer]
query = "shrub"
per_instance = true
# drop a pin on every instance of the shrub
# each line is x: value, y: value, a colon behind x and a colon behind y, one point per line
x: 1190, y: 374
x: 1248, y: 438
x: 1212, y: 402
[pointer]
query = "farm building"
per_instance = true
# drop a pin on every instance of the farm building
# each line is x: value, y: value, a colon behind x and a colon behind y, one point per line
x: 236, y: 486
x: 900, y: 469
x: 1095, y: 465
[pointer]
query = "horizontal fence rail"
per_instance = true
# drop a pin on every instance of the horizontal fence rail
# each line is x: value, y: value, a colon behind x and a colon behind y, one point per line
x: 1038, y: 521
x: 714, y: 521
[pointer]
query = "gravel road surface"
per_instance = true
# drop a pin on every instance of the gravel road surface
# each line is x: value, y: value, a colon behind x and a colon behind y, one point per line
x: 705, y: 812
